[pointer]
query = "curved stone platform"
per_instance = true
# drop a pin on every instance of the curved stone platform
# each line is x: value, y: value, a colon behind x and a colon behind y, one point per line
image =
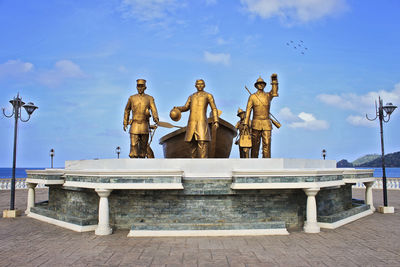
x: 174, y: 197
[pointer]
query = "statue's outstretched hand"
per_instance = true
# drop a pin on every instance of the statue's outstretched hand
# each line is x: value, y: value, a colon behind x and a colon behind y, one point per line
x: 124, y: 127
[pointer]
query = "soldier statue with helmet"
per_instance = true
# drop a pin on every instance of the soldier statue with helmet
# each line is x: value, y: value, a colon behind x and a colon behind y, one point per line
x: 259, y: 103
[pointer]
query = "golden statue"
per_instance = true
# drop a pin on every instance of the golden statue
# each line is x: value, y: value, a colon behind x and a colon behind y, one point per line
x: 244, y: 137
x: 261, y: 127
x: 197, y: 131
x: 140, y: 105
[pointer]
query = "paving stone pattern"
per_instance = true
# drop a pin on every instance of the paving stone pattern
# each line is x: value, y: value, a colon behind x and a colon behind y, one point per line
x: 370, y: 241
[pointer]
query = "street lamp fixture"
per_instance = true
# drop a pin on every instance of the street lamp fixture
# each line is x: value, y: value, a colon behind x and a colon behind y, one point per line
x: 383, y: 113
x: 17, y: 104
x: 118, y: 151
x: 51, y: 156
x: 323, y: 153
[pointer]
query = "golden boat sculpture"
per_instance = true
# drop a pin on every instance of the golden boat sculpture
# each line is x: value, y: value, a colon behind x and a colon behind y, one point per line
x: 174, y: 145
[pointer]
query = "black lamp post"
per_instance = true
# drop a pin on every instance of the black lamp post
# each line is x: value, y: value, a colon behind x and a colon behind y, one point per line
x: 52, y: 155
x: 29, y: 108
x: 380, y: 113
x: 323, y: 153
x: 118, y: 151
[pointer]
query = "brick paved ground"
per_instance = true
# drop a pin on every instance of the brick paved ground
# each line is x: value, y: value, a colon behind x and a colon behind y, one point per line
x: 370, y: 241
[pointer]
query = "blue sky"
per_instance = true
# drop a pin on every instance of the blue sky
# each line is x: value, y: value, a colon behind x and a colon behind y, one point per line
x: 79, y: 60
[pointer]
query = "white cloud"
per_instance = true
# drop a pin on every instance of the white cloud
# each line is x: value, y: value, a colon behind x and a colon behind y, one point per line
x: 150, y: 10
x: 15, y: 68
x: 352, y: 101
x: 302, y: 120
x: 217, y: 58
x: 360, y: 121
x: 287, y: 115
x: 294, y: 10
x: 62, y: 70
x: 362, y: 104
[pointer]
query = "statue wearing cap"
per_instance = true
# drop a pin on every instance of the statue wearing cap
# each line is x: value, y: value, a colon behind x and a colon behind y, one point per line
x: 197, y: 130
x: 259, y: 104
x: 244, y: 136
x: 140, y: 105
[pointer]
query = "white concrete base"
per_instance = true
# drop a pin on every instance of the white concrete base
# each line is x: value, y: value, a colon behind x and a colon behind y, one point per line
x: 243, y: 232
x: 311, y: 228
x: 196, y: 167
x: 103, y: 231
x: 385, y: 209
x: 11, y: 213
x: 345, y: 221
x: 70, y: 226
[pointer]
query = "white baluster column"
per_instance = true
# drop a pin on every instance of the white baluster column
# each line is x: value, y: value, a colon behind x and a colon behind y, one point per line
x: 368, y: 195
x: 311, y: 226
x: 103, y: 227
x: 31, y: 197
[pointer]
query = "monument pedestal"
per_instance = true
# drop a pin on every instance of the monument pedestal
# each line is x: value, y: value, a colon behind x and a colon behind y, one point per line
x: 193, y: 197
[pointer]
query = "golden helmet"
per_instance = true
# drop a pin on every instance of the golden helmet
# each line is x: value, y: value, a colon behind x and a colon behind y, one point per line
x: 175, y: 114
x: 260, y: 80
x: 240, y: 111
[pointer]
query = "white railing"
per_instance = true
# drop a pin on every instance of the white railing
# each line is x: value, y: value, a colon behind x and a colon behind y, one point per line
x: 5, y: 184
x: 391, y: 183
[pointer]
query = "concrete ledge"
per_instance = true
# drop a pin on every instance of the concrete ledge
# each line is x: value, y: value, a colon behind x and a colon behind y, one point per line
x: 244, y: 186
x: 359, y: 180
x: 138, y: 186
x: 125, y: 173
x: 241, y: 232
x: 70, y: 226
x: 347, y: 220
x: 43, y: 181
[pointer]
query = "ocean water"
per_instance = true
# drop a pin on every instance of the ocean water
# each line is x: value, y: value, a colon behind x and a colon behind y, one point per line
x: 390, y: 172
x: 20, y: 172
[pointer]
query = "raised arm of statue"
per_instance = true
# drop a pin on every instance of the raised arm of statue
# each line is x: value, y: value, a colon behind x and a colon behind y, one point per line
x: 274, y: 83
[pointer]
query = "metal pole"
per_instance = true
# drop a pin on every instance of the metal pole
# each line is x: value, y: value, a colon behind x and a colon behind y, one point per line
x: 16, y: 110
x: 385, y: 202
x: 52, y: 161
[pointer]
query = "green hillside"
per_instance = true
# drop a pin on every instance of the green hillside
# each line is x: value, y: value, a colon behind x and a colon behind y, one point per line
x: 391, y: 160
x: 365, y: 159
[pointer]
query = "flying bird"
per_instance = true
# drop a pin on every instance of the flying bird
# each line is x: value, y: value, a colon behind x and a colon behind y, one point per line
x: 299, y: 46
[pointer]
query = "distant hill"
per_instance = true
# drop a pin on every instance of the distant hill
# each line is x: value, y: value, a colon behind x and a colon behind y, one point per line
x: 344, y: 164
x: 365, y: 159
x: 372, y: 160
x: 391, y: 160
